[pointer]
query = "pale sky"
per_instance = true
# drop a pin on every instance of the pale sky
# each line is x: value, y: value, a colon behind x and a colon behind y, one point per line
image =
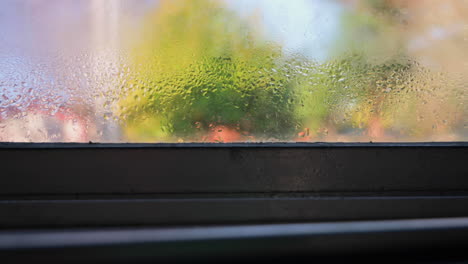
x: 304, y: 26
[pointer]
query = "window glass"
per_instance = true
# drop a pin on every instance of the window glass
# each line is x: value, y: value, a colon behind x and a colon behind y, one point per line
x: 233, y: 70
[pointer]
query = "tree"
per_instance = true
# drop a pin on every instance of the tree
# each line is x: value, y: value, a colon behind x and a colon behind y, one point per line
x: 198, y: 68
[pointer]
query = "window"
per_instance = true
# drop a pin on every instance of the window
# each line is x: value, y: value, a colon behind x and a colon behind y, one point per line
x: 233, y: 71
x: 268, y: 78
x: 112, y: 113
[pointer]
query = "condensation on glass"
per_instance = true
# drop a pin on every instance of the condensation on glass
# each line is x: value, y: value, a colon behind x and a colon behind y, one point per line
x: 233, y: 70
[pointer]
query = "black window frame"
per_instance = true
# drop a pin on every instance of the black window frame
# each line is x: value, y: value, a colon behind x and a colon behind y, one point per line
x: 82, y: 185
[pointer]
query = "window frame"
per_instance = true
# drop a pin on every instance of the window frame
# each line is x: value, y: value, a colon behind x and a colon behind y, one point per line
x: 76, y: 184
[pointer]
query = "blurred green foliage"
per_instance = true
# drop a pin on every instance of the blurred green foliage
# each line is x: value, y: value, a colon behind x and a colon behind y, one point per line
x: 199, y: 66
